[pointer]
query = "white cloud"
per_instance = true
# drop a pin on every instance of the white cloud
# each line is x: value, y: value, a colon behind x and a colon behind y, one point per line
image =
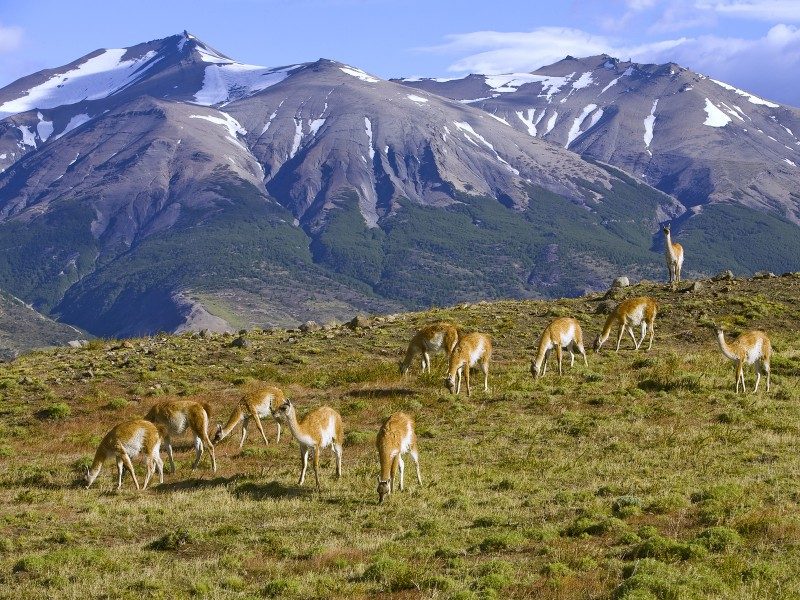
x: 10, y: 37
x: 772, y: 11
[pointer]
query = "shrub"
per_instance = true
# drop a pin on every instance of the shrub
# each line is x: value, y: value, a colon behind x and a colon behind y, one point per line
x: 174, y: 540
x: 55, y: 412
x: 718, y: 539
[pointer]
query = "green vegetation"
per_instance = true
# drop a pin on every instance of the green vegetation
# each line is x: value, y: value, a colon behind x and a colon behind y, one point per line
x: 644, y: 476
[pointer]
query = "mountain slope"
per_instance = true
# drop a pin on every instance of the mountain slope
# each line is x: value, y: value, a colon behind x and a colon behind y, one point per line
x: 23, y: 329
x: 701, y: 140
x: 175, y: 186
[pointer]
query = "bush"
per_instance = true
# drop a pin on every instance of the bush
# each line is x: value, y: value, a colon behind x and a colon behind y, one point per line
x: 174, y: 540
x: 55, y: 412
x: 718, y: 539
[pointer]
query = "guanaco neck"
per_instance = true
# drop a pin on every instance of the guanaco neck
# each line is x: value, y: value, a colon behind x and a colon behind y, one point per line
x: 293, y: 424
x: 614, y: 317
x: 236, y: 417
x: 411, y: 352
x: 670, y: 247
x: 541, y: 353
x: 386, y: 463
x: 726, y: 349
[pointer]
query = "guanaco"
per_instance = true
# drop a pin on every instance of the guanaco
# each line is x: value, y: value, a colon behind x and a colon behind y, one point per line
x: 319, y: 429
x: 470, y: 349
x: 627, y: 315
x: 427, y: 341
x: 125, y: 441
x: 752, y: 348
x: 674, y: 256
x: 176, y: 416
x: 564, y: 332
x: 256, y: 403
x: 395, y: 438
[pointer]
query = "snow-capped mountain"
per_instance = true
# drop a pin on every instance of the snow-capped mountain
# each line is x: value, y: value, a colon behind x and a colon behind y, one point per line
x: 146, y: 188
x: 699, y: 139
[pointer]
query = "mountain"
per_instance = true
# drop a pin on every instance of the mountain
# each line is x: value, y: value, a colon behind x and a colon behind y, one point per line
x: 166, y: 186
x: 729, y: 156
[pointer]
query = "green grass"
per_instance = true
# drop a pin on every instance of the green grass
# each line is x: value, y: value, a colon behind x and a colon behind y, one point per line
x: 643, y: 476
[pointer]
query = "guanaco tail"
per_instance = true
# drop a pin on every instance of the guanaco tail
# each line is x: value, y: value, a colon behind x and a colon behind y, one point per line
x: 674, y: 256
x: 472, y: 348
x: 752, y: 348
x: 395, y: 438
x: 174, y: 417
x: 319, y: 429
x: 256, y: 403
x: 627, y: 315
x: 124, y: 442
x: 564, y: 332
x: 427, y: 341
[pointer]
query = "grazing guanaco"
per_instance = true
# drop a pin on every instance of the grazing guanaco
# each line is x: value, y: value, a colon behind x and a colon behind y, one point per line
x: 674, y: 256
x: 427, y: 341
x: 176, y: 416
x: 470, y: 349
x: 124, y: 442
x: 319, y: 429
x: 627, y: 315
x: 752, y: 348
x: 395, y: 438
x: 256, y: 403
x: 564, y: 332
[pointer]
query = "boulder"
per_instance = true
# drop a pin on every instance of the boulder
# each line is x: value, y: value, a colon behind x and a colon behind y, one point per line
x: 310, y: 326
x: 241, y: 342
x: 763, y: 275
x: 359, y: 322
x: 725, y: 275
x: 620, y: 282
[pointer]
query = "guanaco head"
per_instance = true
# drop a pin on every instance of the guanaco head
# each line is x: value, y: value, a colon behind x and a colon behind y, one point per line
x: 597, y: 344
x: 88, y: 478
x: 534, y: 370
x: 666, y: 229
x: 217, y: 433
x: 450, y: 382
x: 383, y: 489
x: 283, y: 412
x: 403, y: 367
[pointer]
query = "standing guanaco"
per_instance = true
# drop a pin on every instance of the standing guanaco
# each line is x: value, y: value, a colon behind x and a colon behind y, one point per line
x: 674, y: 256
x: 125, y: 441
x: 176, y: 416
x: 256, y: 403
x: 752, y: 347
x: 564, y: 332
x: 627, y: 315
x: 395, y: 438
x: 430, y: 340
x: 319, y: 429
x: 470, y: 349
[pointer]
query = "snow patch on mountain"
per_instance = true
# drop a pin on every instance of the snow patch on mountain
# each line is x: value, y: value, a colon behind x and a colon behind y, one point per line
x: 575, y: 129
x: 649, y: 121
x: 613, y: 82
x: 314, y: 126
x: 583, y: 81
x: 468, y: 131
x: 95, y: 78
x: 28, y: 137
x: 359, y: 74
x: 752, y: 98
x: 298, y: 137
x: 229, y: 123
x: 223, y: 83
x: 368, y: 126
x: 43, y: 128
x: 715, y: 117
x: 418, y: 99
x: 551, y: 122
x: 74, y: 123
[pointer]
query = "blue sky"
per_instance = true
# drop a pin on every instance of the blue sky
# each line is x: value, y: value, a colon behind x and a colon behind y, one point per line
x: 753, y: 44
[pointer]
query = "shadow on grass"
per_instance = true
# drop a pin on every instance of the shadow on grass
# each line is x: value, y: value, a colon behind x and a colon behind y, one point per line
x: 195, y: 483
x: 273, y: 489
x: 382, y: 393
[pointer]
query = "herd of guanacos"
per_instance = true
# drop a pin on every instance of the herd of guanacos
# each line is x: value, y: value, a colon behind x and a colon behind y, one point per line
x: 322, y: 427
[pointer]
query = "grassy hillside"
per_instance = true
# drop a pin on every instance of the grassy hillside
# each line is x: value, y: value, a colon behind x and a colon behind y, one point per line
x: 642, y: 476
x: 22, y: 328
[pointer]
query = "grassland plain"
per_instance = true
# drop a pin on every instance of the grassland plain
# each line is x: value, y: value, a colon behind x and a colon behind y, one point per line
x: 642, y: 476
